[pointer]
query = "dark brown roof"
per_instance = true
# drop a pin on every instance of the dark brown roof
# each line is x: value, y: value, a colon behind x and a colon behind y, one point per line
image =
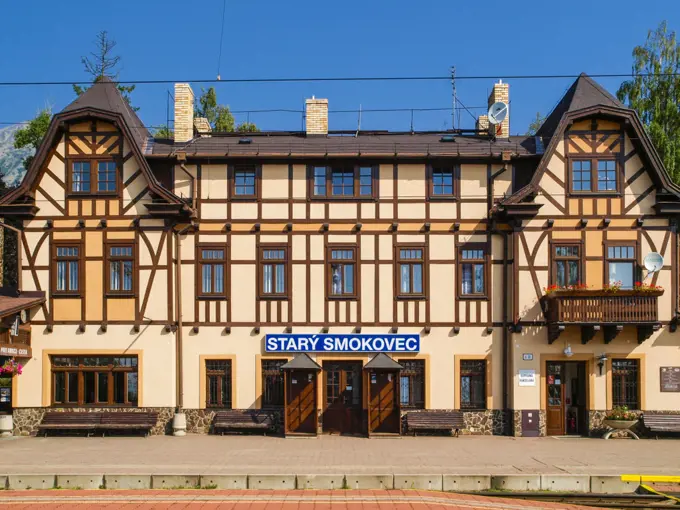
x: 583, y: 93
x: 10, y: 305
x: 365, y: 144
x: 104, y: 95
x: 301, y: 361
x: 382, y: 361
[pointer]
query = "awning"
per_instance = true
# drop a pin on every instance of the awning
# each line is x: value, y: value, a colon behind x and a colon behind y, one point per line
x: 301, y: 361
x: 382, y: 361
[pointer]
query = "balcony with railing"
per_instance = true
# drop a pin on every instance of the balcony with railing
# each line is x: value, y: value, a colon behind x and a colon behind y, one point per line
x: 596, y: 310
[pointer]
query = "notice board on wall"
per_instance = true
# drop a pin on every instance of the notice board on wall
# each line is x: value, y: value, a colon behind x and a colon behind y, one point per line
x: 670, y: 379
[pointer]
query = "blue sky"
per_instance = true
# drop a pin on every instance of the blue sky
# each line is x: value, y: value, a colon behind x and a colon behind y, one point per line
x: 179, y: 40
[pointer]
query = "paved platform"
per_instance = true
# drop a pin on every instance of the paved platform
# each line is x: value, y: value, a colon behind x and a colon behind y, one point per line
x: 200, y: 454
x: 242, y: 500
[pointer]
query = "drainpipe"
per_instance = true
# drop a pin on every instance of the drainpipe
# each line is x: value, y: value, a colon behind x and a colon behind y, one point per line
x: 179, y: 421
x: 506, y: 334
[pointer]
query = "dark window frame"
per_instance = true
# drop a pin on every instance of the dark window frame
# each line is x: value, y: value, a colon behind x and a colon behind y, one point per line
x: 594, y: 159
x: 414, y: 369
x: 554, y: 258
x: 54, y: 268
x: 267, y: 367
x: 460, y: 262
x: 261, y: 262
x: 223, y: 376
x: 328, y: 187
x: 200, y: 262
x: 452, y: 168
x: 81, y: 368
x: 619, y: 381
x: 329, y: 272
x: 410, y: 262
x: 635, y: 260
x: 239, y: 167
x: 481, y: 404
x: 94, y: 176
x: 123, y: 243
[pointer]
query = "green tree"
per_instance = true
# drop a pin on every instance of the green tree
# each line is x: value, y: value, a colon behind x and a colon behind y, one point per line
x: 654, y: 92
x: 219, y: 116
x: 32, y: 134
x: 164, y: 132
x: 247, y: 127
x: 103, y: 63
x: 535, y: 124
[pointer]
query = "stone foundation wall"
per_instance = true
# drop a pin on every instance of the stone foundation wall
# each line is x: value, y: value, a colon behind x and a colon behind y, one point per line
x: 597, y: 428
x: 27, y: 419
x: 517, y: 423
x: 492, y: 422
x: 199, y: 421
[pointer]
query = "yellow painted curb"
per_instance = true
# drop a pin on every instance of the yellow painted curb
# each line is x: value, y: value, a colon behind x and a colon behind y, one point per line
x: 650, y: 478
x: 654, y: 491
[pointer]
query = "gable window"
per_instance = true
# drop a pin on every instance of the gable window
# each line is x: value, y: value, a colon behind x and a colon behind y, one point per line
x: 589, y: 175
x: 94, y: 380
x: 412, y: 383
x: 273, y: 263
x: 244, y: 183
x: 342, y: 265
x: 342, y: 181
x: 626, y: 383
x: 211, y: 264
x: 218, y: 383
x: 272, y: 382
x: 93, y: 175
x: 621, y: 265
x: 566, y: 264
x: 472, y: 268
x: 472, y: 384
x: 410, y: 267
x: 120, y: 259
x: 442, y: 182
x: 67, y: 270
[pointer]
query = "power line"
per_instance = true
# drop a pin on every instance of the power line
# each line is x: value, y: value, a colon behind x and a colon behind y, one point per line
x: 343, y: 79
x: 219, y: 58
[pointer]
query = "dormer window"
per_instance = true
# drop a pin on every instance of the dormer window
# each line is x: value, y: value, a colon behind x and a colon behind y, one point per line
x: 93, y: 176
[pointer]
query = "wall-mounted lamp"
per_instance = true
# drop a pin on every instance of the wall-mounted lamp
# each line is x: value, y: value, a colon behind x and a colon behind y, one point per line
x: 357, y: 329
x: 324, y: 330
x: 104, y: 327
x: 601, y: 360
x: 550, y: 222
x: 289, y: 329
x: 81, y: 223
x: 324, y: 227
x: 289, y: 227
x: 456, y: 227
x: 606, y: 222
x: 195, y: 330
x: 427, y: 330
x: 567, y: 351
x: 426, y: 227
x: 136, y: 328
x: 583, y: 222
x: 395, y: 226
x: 81, y: 327
x: 358, y: 227
x: 168, y: 328
x: 256, y: 227
x: 49, y: 328
x: 256, y: 330
x: 489, y: 330
x: 227, y: 227
x: 456, y: 330
x: 394, y: 329
x: 49, y: 224
x: 227, y: 330
x: 640, y: 221
x: 103, y: 223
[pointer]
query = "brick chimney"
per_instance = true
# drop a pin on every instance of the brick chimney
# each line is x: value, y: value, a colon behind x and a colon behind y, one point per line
x: 184, y: 112
x: 482, y: 123
x: 501, y: 94
x: 202, y: 126
x: 316, y: 118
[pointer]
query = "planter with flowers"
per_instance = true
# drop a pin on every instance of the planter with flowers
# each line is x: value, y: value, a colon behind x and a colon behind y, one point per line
x: 11, y: 368
x: 620, y: 419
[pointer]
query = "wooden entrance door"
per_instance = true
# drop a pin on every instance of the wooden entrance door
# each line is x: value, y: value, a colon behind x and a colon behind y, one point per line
x: 555, y: 418
x: 301, y: 402
x: 383, y: 403
x: 342, y: 397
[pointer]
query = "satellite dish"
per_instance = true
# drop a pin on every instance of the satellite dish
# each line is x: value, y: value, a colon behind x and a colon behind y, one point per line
x: 498, y: 112
x: 653, y: 262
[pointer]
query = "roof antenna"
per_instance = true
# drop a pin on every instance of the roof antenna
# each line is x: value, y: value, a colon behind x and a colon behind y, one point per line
x: 453, y: 92
x: 358, y: 123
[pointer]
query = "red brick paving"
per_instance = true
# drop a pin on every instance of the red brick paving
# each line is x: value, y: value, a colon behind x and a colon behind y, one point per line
x: 262, y: 500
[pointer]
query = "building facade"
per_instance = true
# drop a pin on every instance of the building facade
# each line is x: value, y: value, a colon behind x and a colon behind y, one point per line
x: 168, y: 265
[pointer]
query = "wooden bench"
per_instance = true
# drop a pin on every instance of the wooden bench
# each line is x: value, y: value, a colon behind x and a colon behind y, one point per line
x: 658, y: 422
x: 128, y: 420
x: 243, y: 420
x: 435, y: 420
x: 71, y: 421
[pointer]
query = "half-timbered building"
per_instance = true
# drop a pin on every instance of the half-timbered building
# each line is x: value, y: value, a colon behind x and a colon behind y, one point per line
x: 199, y: 274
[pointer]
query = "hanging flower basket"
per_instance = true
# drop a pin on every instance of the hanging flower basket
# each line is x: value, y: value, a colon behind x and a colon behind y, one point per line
x: 11, y: 368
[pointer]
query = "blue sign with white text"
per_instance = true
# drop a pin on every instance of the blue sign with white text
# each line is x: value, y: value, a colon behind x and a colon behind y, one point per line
x: 342, y: 343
